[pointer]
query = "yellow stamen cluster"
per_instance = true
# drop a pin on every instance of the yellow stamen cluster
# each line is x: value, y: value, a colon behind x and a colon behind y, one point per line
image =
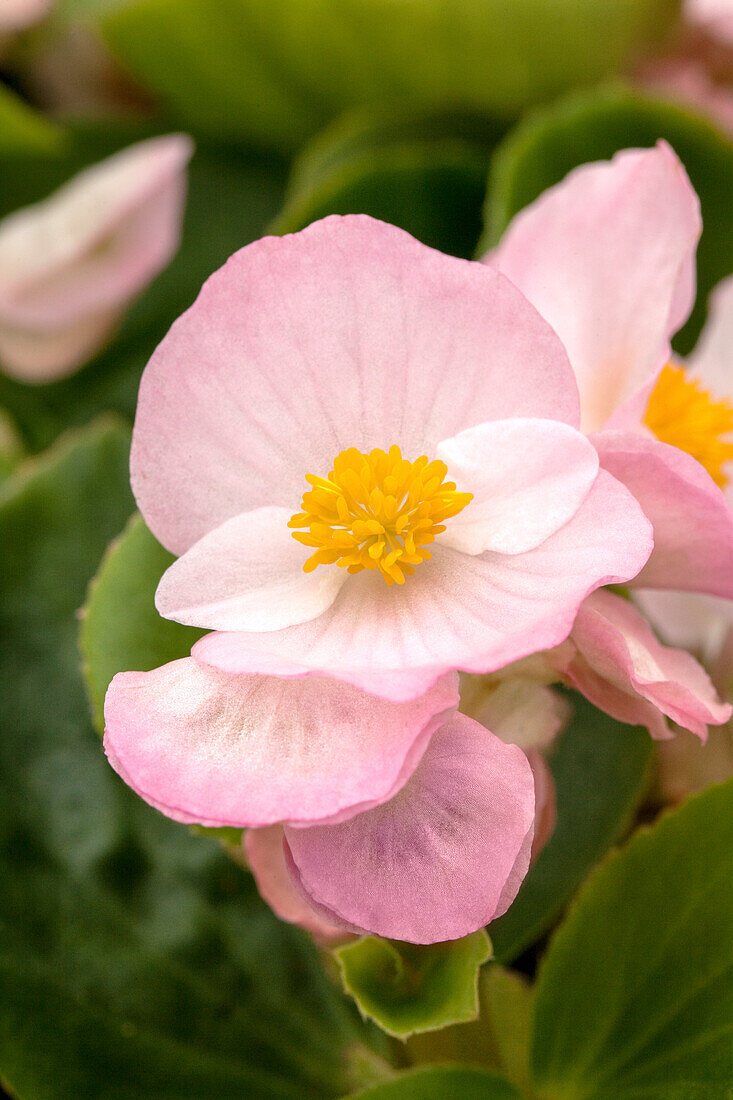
x: 376, y: 511
x: 683, y: 414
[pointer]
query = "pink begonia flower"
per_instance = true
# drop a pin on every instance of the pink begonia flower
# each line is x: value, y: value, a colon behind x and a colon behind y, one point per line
x: 71, y: 265
x: 607, y: 256
x: 16, y: 15
x: 352, y: 362
x: 402, y: 819
x: 616, y: 661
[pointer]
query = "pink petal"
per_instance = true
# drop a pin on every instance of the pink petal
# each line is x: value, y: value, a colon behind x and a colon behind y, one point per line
x: 244, y: 750
x: 688, y: 620
x: 528, y: 478
x: 693, y: 524
x: 247, y: 575
x: 83, y: 254
x: 457, y: 611
x: 432, y: 863
x: 16, y: 15
x: 715, y: 17
x: 349, y: 333
x: 607, y: 256
x: 523, y: 712
x: 623, y: 669
x: 712, y: 360
x: 264, y: 851
x: 545, y: 803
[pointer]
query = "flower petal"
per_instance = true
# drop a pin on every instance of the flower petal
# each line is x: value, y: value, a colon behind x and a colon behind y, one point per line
x: 348, y: 334
x: 247, y: 575
x: 528, y: 478
x: 475, y: 613
x: 693, y: 524
x: 206, y: 747
x: 433, y: 862
x: 623, y: 669
x: 607, y: 256
x: 712, y: 359
x: 266, y: 859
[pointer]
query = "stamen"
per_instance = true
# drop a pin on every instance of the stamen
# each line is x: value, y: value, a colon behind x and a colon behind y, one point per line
x: 376, y: 511
x: 683, y: 414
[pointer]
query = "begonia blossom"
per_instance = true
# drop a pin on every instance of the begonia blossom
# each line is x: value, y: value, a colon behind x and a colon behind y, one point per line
x: 607, y: 256
x: 403, y: 819
x: 452, y: 514
x: 72, y: 264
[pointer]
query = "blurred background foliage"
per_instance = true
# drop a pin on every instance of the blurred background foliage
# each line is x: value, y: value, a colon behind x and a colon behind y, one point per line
x: 136, y: 959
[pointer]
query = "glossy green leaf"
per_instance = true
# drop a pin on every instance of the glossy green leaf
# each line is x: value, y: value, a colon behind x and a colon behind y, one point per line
x: 408, y: 988
x: 442, y: 1083
x: 498, y: 1039
x: 635, y: 995
x: 600, y: 770
x: 136, y: 961
x: 583, y: 128
x: 25, y: 132
x: 121, y: 630
x: 232, y: 196
x: 423, y: 172
x: 275, y: 71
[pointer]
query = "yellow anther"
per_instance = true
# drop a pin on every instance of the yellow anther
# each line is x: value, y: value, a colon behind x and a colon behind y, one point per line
x: 683, y: 414
x: 376, y: 511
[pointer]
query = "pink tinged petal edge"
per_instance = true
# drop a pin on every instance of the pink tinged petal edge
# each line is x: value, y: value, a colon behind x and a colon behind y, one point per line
x: 347, y: 334
x: 527, y: 477
x: 692, y: 521
x: 247, y: 575
x: 266, y: 858
x: 545, y: 803
x: 202, y: 746
x: 475, y: 613
x: 71, y: 264
x: 607, y: 257
x: 433, y: 863
x: 623, y: 669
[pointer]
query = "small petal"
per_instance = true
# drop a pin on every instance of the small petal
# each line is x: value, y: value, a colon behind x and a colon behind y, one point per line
x: 527, y: 477
x: 205, y: 747
x: 433, y: 863
x: 247, y: 575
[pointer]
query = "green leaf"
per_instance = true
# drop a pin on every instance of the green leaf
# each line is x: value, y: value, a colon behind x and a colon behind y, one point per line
x: 24, y: 131
x: 408, y: 988
x: 121, y: 630
x: 442, y: 1083
x: 600, y: 769
x: 275, y: 71
x: 583, y: 128
x: 136, y: 961
x: 635, y: 995
x: 423, y: 172
x: 11, y: 445
x: 499, y: 1038
x: 232, y: 196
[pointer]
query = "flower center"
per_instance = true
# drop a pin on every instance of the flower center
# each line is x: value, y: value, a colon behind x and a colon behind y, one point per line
x: 376, y: 511
x: 683, y: 414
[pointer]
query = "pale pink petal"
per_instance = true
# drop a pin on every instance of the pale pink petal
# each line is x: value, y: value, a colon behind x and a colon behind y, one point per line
x: 715, y: 17
x: 432, y: 863
x: 475, y: 613
x: 623, y: 669
x: 16, y: 15
x: 607, y: 256
x: 206, y: 747
x: 81, y: 255
x: 348, y: 334
x: 688, y: 620
x: 527, y: 477
x: 266, y: 859
x: 545, y: 802
x: 523, y: 712
x: 247, y: 575
x: 33, y: 355
x: 693, y: 524
x: 712, y: 360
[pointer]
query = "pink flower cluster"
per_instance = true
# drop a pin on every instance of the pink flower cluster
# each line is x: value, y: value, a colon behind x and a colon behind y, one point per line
x: 380, y: 466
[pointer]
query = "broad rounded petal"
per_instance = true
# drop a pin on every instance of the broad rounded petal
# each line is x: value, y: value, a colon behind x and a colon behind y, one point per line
x: 607, y: 256
x: 348, y: 334
x: 693, y: 524
x: 37, y: 355
x: 206, y: 747
x: 247, y: 575
x: 712, y: 359
x: 528, y: 478
x: 619, y: 654
x: 432, y: 863
x: 266, y: 859
x: 475, y: 613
